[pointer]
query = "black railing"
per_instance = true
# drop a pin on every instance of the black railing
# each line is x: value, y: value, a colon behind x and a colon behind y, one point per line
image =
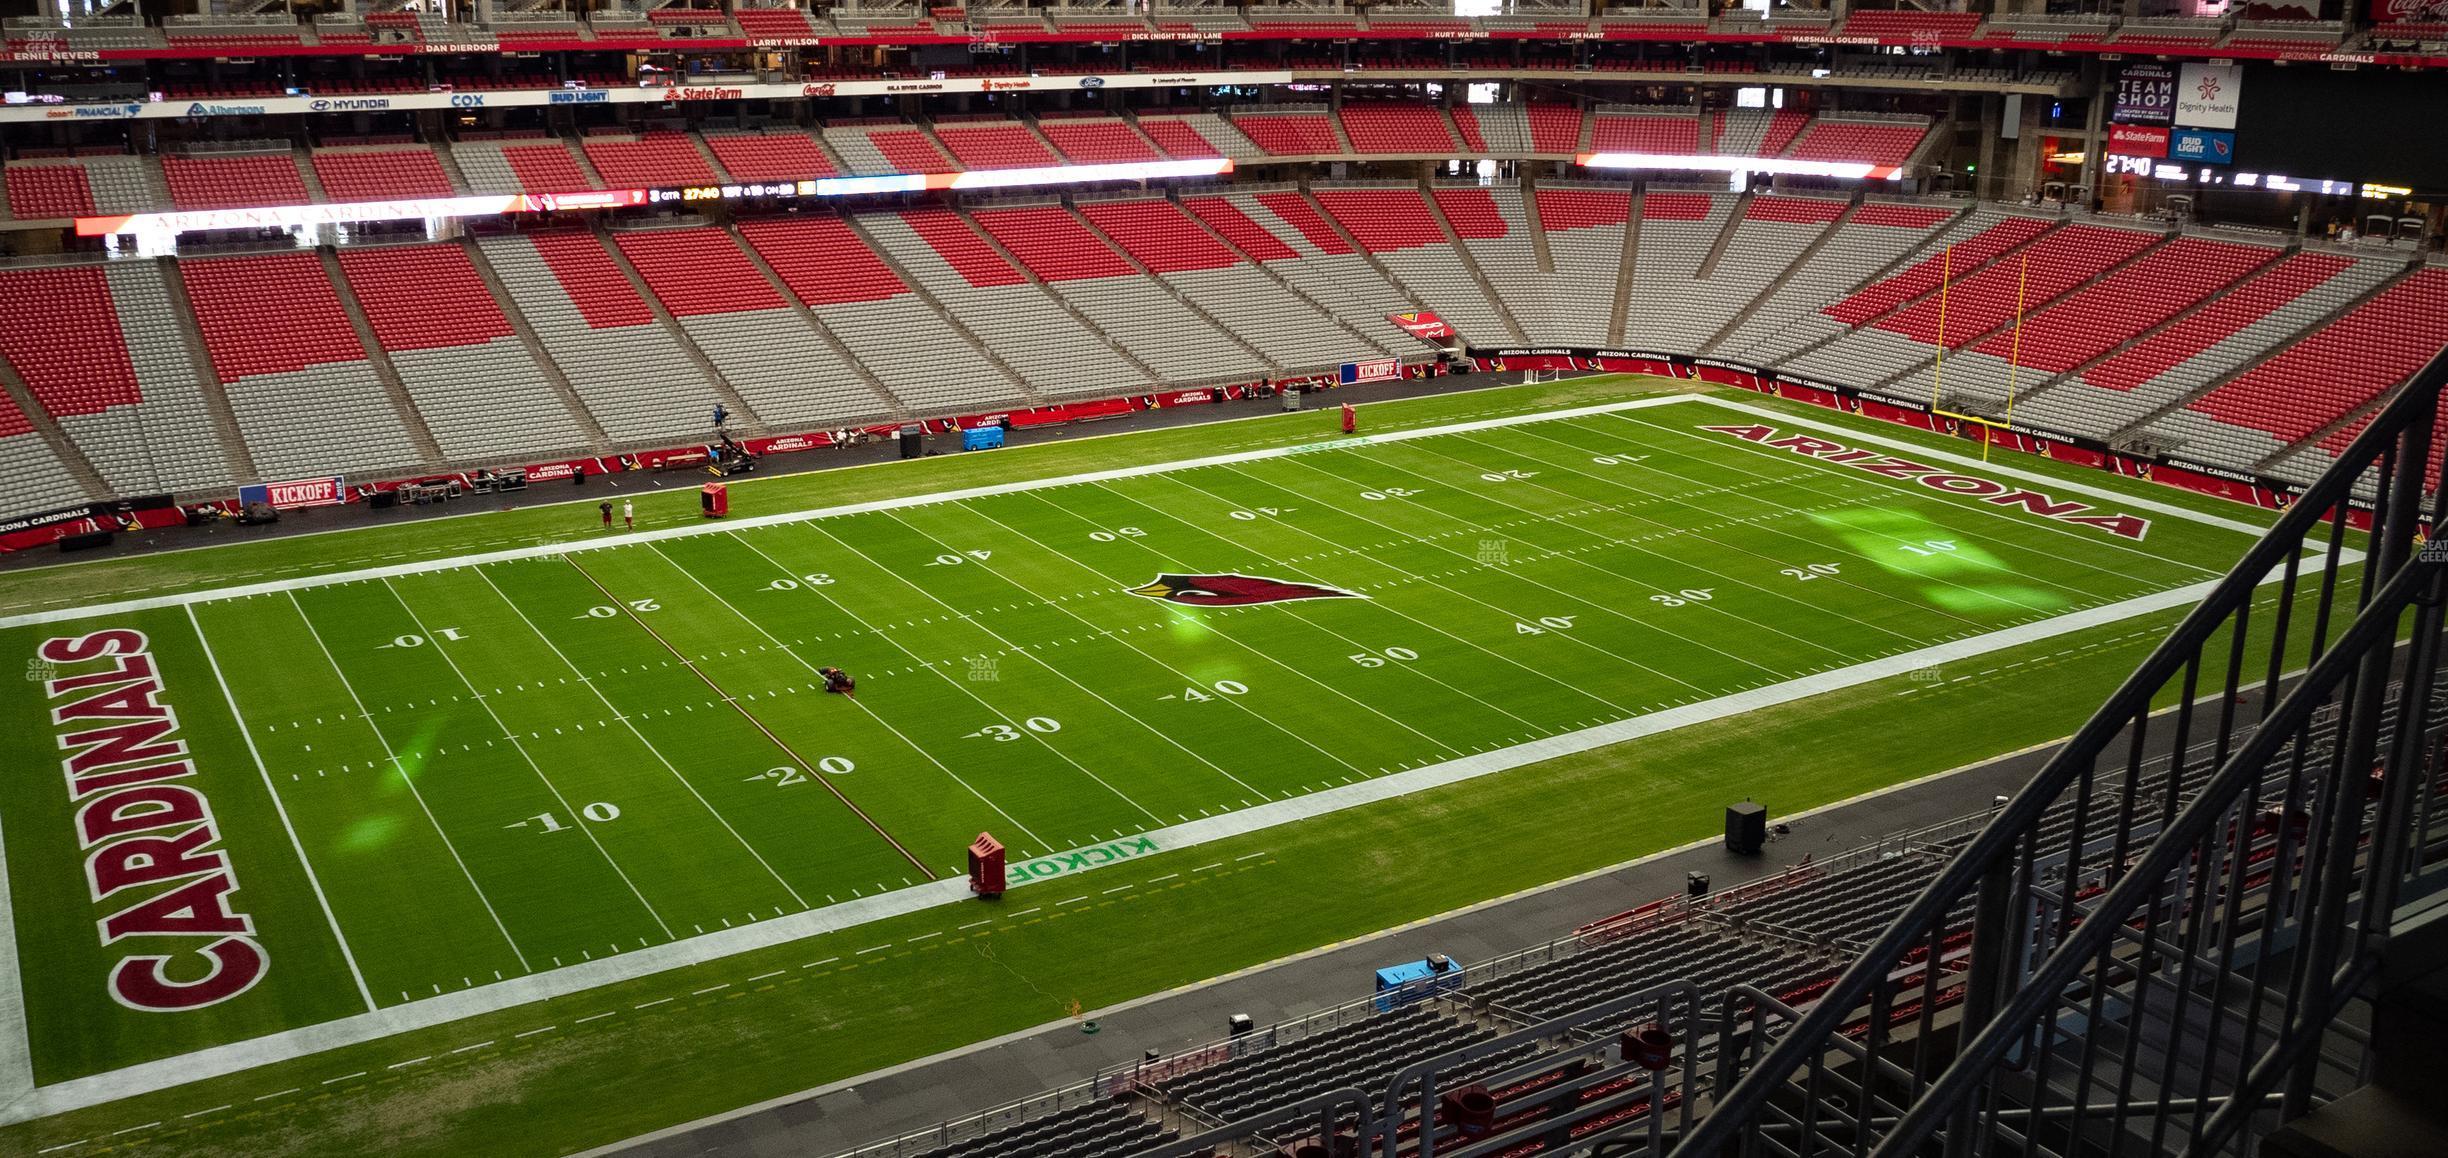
x: 2166, y: 924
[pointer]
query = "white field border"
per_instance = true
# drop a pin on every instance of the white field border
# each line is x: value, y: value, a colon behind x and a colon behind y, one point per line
x: 21, y: 1100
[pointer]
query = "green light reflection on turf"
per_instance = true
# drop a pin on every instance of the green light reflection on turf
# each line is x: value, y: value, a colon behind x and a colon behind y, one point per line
x: 1966, y: 577
x: 369, y: 834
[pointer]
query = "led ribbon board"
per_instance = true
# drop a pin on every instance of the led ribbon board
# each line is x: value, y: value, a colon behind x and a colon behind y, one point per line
x: 350, y: 212
x: 1781, y: 166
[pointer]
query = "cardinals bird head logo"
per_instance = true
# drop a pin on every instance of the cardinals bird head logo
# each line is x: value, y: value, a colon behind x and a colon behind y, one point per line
x: 1234, y: 590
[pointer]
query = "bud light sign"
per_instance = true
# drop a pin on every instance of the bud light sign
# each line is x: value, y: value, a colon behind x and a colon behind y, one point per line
x: 2201, y: 147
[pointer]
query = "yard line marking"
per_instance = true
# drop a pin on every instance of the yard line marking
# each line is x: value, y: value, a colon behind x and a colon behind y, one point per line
x: 478, y: 1045
x: 923, y: 936
x: 1178, y: 615
x: 1313, y: 622
x: 1072, y: 901
x: 410, y: 781
x: 533, y: 1032
x: 972, y: 925
x: 872, y: 949
x: 894, y: 639
x: 758, y: 724
x: 409, y: 1062
x: 651, y: 1004
x: 1026, y: 912
x: 1559, y: 521
x: 63, y: 1146
x: 1152, y: 881
x: 1205, y: 867
x: 544, y: 549
x: 1251, y: 856
x: 594, y: 1016
x: 221, y: 1060
x: 762, y: 976
x: 133, y: 1129
x: 981, y: 625
x: 1568, y: 636
x: 533, y: 765
x: 1899, y: 485
x: 344, y: 1077
x: 1834, y: 544
x: 711, y: 989
x: 826, y: 961
x: 1119, y: 888
x: 282, y: 810
x: 201, y: 1113
x: 282, y: 1094
x: 660, y: 758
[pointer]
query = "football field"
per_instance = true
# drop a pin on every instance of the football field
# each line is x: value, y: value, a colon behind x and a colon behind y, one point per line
x: 349, y: 804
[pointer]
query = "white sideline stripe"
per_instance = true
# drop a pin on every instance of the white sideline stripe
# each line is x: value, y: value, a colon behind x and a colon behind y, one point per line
x: 146, y: 1077
x: 543, y: 550
x: 281, y: 809
x: 95, y: 1089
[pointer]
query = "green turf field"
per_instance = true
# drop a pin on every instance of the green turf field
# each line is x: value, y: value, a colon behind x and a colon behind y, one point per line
x: 473, y: 783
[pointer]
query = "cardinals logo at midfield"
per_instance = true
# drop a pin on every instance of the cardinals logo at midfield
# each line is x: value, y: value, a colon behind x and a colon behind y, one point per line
x: 1235, y: 590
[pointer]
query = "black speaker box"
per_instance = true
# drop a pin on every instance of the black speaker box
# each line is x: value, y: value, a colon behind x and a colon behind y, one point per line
x: 85, y: 542
x: 1746, y: 828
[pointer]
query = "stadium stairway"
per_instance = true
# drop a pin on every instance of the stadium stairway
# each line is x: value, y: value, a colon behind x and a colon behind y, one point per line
x: 1257, y: 357
x: 420, y: 435
x: 895, y: 407
x: 950, y: 321
x: 1540, y: 250
x: 1412, y: 298
x: 729, y: 394
x: 1621, y: 307
x: 1805, y: 258
x: 226, y: 431
x: 1262, y: 252
x: 591, y: 429
x: 1149, y: 374
x: 1470, y: 262
x: 2269, y: 261
x: 2009, y: 272
x: 71, y: 457
x: 2131, y: 431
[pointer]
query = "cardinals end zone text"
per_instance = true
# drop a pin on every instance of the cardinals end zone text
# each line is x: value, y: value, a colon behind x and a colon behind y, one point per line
x: 1940, y: 479
x: 152, y: 857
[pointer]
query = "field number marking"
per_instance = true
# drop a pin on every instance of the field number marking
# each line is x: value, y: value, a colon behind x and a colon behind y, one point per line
x: 1928, y: 547
x: 452, y: 634
x: 1193, y: 695
x: 1686, y: 595
x: 1117, y: 533
x: 1378, y: 659
x: 1545, y: 624
x: 1808, y: 572
x: 813, y: 579
x: 600, y: 812
x: 1389, y: 493
x: 1005, y: 733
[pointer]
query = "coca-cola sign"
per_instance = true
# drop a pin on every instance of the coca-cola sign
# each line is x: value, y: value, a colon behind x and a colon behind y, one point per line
x: 2408, y: 11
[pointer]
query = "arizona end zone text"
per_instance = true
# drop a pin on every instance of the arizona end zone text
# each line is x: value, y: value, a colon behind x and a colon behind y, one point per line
x: 152, y: 854
x: 1942, y: 480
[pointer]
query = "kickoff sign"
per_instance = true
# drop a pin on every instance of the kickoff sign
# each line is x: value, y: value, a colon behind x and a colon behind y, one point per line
x: 1371, y: 370
x: 312, y: 492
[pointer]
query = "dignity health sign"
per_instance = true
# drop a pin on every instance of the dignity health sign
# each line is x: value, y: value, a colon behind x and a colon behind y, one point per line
x: 2207, y: 95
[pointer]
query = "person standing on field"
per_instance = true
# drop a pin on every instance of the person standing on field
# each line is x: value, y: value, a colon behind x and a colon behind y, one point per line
x: 606, y: 507
x: 629, y: 514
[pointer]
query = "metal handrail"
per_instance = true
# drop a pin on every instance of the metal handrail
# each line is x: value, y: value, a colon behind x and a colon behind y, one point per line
x: 1981, y: 861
